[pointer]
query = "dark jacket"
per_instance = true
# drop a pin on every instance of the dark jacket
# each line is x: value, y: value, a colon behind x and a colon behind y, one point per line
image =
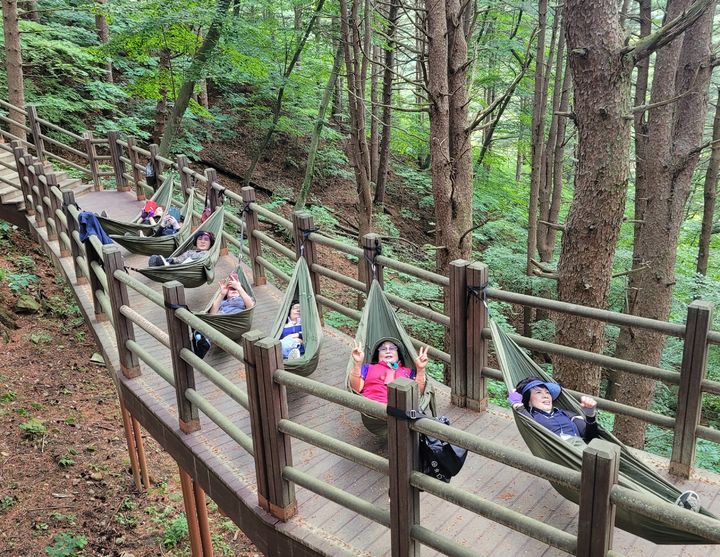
x: 563, y: 422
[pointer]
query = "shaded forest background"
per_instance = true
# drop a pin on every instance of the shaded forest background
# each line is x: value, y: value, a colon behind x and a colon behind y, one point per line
x: 579, y: 165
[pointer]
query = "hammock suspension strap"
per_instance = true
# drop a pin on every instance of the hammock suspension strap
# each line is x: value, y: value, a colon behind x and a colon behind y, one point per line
x: 410, y: 415
x: 176, y: 307
x: 306, y: 234
x: 480, y: 292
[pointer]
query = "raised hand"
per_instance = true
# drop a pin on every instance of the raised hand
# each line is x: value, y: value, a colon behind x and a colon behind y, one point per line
x: 358, y: 353
x: 588, y: 402
x: 421, y: 361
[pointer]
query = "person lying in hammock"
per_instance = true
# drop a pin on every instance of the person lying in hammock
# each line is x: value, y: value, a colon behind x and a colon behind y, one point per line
x: 233, y: 297
x: 371, y: 380
x: 291, y: 336
x: 534, y: 398
x: 203, y: 242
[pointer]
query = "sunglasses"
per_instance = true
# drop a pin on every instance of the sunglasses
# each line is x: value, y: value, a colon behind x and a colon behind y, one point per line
x: 387, y: 348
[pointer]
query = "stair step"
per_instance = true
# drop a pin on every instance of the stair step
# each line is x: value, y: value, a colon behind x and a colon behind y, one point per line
x: 6, y: 188
x: 4, y: 171
x: 6, y: 156
x: 11, y: 197
x: 69, y: 183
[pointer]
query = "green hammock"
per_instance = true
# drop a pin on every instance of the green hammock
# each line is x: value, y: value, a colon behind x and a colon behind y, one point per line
x: 196, y: 272
x: 300, y: 288
x: 232, y: 325
x: 162, y: 197
x: 160, y: 245
x: 634, y: 474
x: 377, y: 323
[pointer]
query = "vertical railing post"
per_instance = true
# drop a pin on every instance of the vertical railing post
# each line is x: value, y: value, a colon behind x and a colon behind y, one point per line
x: 36, y: 131
x: 51, y: 182
x: 92, y: 256
x: 45, y: 201
x: 23, y: 176
x: 118, y: 165
x: 403, y: 458
x: 303, y: 226
x: 184, y: 374
x: 156, y: 164
x: 596, y: 518
x: 476, y: 356
x: 215, y: 197
x: 186, y: 182
x: 137, y: 175
x: 91, y: 151
x: 256, y: 417
x: 692, y: 372
x: 458, y: 306
x: 372, y: 246
x: 36, y: 170
x: 65, y: 250
x: 73, y: 230
x: 273, y: 408
x: 118, y: 294
x: 251, y: 224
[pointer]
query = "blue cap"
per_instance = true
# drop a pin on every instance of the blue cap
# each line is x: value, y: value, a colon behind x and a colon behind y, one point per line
x: 554, y: 388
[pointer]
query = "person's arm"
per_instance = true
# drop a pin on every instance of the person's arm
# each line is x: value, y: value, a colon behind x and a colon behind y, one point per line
x: 356, y: 381
x: 219, y: 300
x: 249, y: 302
x: 421, y: 363
x: 589, y: 408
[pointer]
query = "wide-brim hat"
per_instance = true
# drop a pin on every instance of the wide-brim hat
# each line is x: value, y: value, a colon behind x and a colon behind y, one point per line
x: 553, y: 388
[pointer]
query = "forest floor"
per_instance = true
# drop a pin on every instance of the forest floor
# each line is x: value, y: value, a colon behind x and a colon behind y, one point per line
x: 65, y: 483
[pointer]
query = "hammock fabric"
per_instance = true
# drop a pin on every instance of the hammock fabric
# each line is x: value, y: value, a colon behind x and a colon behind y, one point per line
x: 196, y: 272
x: 634, y: 474
x: 300, y: 288
x: 162, y: 197
x: 232, y: 325
x: 378, y: 322
x: 160, y: 245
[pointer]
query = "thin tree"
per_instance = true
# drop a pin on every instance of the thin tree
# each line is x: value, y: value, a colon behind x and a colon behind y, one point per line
x: 103, y: 34
x: 194, y: 74
x: 13, y: 66
x: 710, y: 194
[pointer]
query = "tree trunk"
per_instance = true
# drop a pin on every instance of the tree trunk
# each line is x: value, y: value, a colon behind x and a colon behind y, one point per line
x: 277, y: 108
x: 710, y: 194
x: 103, y: 35
x: 13, y: 66
x: 203, y: 95
x: 374, y: 112
x: 595, y: 44
x: 674, y: 134
x: 317, y: 130
x: 161, y: 107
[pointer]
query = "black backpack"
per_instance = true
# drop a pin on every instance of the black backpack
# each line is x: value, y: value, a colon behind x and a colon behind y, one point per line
x: 440, y: 459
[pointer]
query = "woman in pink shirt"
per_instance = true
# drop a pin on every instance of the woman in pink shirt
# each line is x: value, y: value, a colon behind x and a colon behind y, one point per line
x: 371, y: 380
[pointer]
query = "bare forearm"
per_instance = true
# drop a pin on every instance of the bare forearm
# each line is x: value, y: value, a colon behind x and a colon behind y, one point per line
x: 356, y: 380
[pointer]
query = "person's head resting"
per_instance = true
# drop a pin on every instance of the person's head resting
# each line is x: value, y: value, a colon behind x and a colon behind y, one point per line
x: 204, y: 240
x: 538, y: 393
x: 387, y: 350
x: 232, y: 293
x: 294, y: 313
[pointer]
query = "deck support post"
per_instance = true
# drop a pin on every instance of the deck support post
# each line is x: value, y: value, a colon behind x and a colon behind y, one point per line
x: 404, y: 458
x: 36, y: 131
x: 75, y: 251
x: 184, y: 373
x: 130, y: 441
x: 273, y: 408
x: 92, y: 159
x: 303, y: 226
x: 215, y: 198
x: 118, y: 165
x: 137, y: 175
x: 36, y: 170
x: 476, y: 354
x: 19, y: 154
x: 692, y: 372
x: 372, y: 246
x: 596, y: 520
x: 186, y: 181
x: 251, y: 224
x: 118, y: 294
x: 191, y: 514
x: 256, y: 417
x: 458, y: 306
x: 156, y: 164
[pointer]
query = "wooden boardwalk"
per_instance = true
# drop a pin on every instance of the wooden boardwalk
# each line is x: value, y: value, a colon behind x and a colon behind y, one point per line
x: 227, y: 472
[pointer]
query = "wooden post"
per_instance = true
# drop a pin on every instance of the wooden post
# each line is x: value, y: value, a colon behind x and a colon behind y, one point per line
x: 184, y: 374
x: 51, y: 182
x: 46, y: 202
x: 136, y: 172
x: 36, y: 170
x: 372, y: 246
x: 476, y: 354
x: 186, y: 181
x: 251, y: 224
x: 157, y: 165
x: 19, y: 154
x: 302, y: 225
x: 118, y: 294
x: 458, y: 306
x: 203, y: 522
x: 130, y: 441
x: 596, y: 520
x: 59, y: 206
x: 273, y: 408
x: 95, y: 285
x: 404, y: 458
x: 118, y: 165
x: 92, y: 159
x: 256, y: 418
x: 215, y: 200
x: 191, y: 516
x: 75, y: 251
x: 36, y: 131
x: 692, y: 372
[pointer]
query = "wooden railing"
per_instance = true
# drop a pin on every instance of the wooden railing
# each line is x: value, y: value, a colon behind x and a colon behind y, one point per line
x: 465, y: 317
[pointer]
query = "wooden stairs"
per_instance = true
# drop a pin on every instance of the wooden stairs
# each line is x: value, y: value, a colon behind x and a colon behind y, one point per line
x: 12, y: 205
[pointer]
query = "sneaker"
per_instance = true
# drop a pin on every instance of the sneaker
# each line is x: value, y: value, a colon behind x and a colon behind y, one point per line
x: 200, y: 344
x: 156, y: 261
x: 689, y: 500
x: 294, y: 354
